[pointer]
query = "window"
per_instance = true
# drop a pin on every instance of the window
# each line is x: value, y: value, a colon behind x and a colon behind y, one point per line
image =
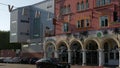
x: 82, y: 5
x: 37, y: 14
x: 111, y: 55
x: 103, y: 2
x: 115, y: 16
x: 65, y: 27
x: 82, y: 23
x: 61, y: 10
x: 78, y: 24
x: 87, y: 4
x: 108, y: 1
x: 25, y: 11
x: 78, y: 6
x: 64, y: 10
x: 68, y: 9
x: 87, y: 22
x: 97, y: 3
x: 103, y: 21
x: 49, y: 16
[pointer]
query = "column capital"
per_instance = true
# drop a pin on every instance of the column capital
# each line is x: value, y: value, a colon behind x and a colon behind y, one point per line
x: 101, y: 50
x: 83, y: 50
x: 118, y: 49
x: 69, y: 50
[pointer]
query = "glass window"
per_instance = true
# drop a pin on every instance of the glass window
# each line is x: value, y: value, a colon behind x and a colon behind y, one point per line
x: 102, y: 2
x: 68, y: 9
x: 103, y: 21
x: 65, y: 27
x: 108, y: 1
x: 87, y: 22
x: 82, y: 5
x: 111, y: 55
x: 87, y: 4
x: 37, y: 14
x: 78, y: 6
x: 25, y: 11
x: 78, y: 24
x: 97, y: 3
x: 82, y: 23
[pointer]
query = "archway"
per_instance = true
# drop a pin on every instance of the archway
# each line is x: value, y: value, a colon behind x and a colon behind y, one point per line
x: 50, y: 49
x: 111, y: 55
x: 92, y: 53
x: 63, y: 52
x: 76, y: 54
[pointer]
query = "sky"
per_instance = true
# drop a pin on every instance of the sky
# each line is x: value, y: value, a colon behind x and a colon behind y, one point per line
x: 5, y: 15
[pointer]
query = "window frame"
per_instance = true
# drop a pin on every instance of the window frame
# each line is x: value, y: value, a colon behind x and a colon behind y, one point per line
x: 103, y: 19
x: 65, y: 27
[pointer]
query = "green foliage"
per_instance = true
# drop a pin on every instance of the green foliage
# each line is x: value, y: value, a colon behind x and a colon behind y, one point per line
x: 4, y: 41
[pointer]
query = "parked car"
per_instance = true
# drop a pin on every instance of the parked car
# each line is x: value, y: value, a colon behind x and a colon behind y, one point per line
x: 15, y: 60
x: 7, y: 59
x: 1, y: 59
x: 33, y: 60
x: 51, y: 63
x: 25, y: 60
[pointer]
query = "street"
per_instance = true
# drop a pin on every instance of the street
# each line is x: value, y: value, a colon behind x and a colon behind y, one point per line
x: 7, y: 65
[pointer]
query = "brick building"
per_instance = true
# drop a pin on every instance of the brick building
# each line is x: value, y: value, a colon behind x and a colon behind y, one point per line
x: 86, y: 32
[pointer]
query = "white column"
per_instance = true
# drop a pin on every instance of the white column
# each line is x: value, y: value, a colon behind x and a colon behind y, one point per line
x: 69, y: 56
x: 119, y: 58
x: 56, y: 54
x: 83, y: 57
x: 100, y: 57
x: 114, y: 55
x: 45, y: 54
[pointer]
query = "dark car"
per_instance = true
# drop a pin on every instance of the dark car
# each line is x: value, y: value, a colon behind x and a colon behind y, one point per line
x: 25, y: 60
x: 51, y: 63
x: 33, y: 60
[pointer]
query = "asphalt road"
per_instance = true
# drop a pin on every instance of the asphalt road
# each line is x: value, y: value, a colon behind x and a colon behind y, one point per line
x: 7, y: 65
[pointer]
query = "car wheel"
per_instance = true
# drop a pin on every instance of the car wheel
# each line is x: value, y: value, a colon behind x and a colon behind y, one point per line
x: 38, y: 66
x: 68, y: 66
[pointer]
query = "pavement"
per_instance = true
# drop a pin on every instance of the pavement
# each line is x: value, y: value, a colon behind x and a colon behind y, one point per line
x: 8, y: 65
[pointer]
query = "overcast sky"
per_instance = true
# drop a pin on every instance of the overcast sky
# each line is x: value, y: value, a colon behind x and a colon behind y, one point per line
x: 5, y: 15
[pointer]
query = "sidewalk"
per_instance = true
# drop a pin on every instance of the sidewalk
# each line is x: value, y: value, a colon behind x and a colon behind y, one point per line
x: 78, y: 66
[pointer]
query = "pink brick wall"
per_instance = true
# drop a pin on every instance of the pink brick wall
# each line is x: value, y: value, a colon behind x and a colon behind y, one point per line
x: 92, y: 12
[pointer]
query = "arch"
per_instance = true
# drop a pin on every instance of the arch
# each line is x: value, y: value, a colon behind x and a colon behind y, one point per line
x: 92, y: 39
x: 92, y: 45
x: 76, y: 40
x: 49, y: 49
x: 110, y: 46
x: 62, y: 42
x: 45, y: 46
x: 76, y: 53
x: 110, y: 38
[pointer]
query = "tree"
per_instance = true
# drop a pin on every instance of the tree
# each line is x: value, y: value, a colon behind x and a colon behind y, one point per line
x: 4, y: 41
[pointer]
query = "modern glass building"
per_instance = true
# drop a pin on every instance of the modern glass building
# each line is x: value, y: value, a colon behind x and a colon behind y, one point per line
x: 28, y: 26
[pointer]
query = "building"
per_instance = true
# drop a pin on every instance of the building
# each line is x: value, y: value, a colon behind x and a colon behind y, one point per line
x: 28, y: 26
x: 86, y: 32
